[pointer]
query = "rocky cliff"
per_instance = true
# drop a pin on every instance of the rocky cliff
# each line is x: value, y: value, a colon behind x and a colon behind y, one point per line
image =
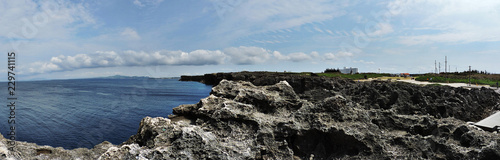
x: 304, y: 117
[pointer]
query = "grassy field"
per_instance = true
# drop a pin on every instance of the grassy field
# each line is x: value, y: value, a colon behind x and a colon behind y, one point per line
x: 349, y: 76
x: 481, y: 79
x: 353, y: 76
x: 476, y: 78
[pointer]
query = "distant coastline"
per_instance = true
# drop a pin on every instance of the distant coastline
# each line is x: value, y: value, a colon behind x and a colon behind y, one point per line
x: 106, y: 77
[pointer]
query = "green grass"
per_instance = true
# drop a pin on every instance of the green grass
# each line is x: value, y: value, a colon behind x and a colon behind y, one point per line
x: 440, y: 78
x: 350, y: 76
x: 353, y: 76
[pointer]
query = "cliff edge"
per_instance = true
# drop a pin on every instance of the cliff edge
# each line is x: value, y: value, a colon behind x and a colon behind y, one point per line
x: 305, y: 117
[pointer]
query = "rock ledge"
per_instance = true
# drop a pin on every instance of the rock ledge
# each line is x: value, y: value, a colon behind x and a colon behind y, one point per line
x: 308, y: 118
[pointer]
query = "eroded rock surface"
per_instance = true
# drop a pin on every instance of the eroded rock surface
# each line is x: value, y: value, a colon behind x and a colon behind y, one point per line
x: 295, y: 117
x: 374, y: 120
x: 32, y: 151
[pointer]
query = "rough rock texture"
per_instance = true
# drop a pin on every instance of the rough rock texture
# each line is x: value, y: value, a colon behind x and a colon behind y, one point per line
x: 32, y: 151
x: 243, y: 121
x: 304, y: 117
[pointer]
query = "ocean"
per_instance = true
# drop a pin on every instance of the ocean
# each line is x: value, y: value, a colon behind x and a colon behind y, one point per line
x: 85, y: 112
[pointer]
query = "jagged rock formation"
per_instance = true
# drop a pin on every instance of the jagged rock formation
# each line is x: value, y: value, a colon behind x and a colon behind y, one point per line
x: 304, y: 117
x: 244, y: 121
x: 29, y: 151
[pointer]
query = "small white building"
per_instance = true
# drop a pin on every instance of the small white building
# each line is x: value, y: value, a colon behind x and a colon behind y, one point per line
x: 349, y: 70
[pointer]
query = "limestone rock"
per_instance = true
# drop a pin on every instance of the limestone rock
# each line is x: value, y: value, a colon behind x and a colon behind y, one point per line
x: 299, y: 117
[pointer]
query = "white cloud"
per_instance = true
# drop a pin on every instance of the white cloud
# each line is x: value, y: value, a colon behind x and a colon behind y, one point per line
x: 314, y: 54
x: 329, y: 56
x: 247, y: 55
x: 338, y: 56
x: 35, y: 27
x: 138, y: 3
x: 130, y: 33
x: 317, y: 29
x: 261, y: 16
x: 279, y: 56
x: 102, y: 59
x: 50, y: 19
x: 295, y: 57
x: 442, y: 37
x: 197, y: 57
x: 382, y: 29
x: 364, y: 62
x: 242, y: 55
x: 298, y: 57
x: 142, y: 3
x: 450, y: 21
x: 330, y: 32
x: 343, y: 54
x: 39, y: 67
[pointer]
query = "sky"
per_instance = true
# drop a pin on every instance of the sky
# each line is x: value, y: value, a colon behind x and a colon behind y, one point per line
x: 56, y: 39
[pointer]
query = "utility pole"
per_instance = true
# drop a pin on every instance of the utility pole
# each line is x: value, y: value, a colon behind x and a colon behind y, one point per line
x: 439, y: 68
x: 445, y: 68
x: 445, y: 64
x: 435, y: 67
x: 470, y: 72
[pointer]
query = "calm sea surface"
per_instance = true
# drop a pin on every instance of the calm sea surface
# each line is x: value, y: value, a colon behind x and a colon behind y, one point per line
x: 85, y: 112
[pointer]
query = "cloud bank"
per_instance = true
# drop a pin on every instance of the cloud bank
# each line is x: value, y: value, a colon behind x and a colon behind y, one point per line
x: 247, y: 55
x: 242, y: 55
x: 101, y: 59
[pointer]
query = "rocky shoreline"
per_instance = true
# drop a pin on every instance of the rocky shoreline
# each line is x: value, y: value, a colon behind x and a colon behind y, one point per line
x: 264, y: 115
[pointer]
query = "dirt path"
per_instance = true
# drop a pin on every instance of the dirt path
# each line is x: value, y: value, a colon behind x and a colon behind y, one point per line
x: 445, y: 84
x: 465, y: 85
x: 497, y: 90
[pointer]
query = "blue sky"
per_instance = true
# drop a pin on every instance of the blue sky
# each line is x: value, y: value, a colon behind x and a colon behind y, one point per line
x: 57, y: 39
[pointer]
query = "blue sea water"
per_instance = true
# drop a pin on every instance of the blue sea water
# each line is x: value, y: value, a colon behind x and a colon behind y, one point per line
x: 84, y: 112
